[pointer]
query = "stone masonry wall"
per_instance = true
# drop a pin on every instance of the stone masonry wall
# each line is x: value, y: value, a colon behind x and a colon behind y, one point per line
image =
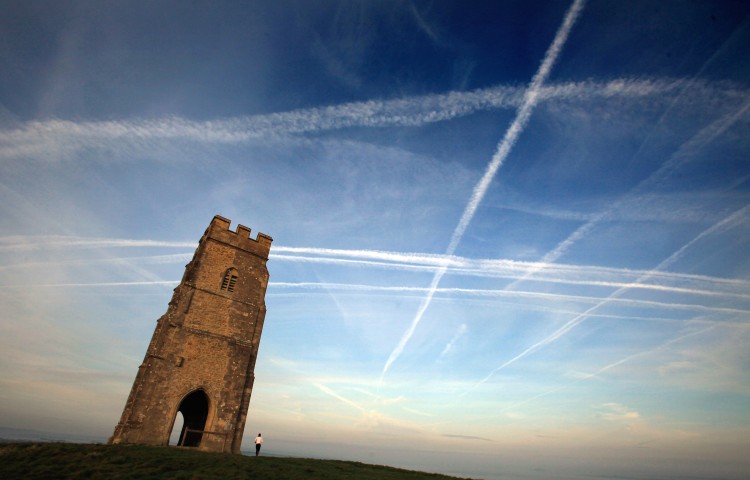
x: 207, y: 340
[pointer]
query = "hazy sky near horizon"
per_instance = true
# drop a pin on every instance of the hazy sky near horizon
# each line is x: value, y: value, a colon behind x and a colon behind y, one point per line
x: 510, y: 238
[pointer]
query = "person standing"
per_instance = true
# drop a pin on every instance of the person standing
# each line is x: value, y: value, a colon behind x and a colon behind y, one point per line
x: 258, y: 443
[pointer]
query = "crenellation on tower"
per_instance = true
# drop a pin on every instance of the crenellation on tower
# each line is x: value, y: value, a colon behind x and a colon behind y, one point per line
x: 219, y: 231
x: 201, y: 359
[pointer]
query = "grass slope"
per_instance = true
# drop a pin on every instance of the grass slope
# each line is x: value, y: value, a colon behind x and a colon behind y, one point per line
x: 79, y: 461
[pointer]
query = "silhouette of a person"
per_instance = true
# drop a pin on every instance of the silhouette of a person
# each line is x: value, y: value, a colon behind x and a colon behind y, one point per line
x: 258, y: 443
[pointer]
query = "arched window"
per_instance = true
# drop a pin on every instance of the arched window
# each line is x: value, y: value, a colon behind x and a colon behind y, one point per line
x: 230, y: 280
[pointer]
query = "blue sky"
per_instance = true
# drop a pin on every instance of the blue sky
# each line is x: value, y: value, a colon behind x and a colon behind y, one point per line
x: 511, y: 239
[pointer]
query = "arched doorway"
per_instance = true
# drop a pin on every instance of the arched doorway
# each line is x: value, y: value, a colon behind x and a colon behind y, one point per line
x: 194, y: 410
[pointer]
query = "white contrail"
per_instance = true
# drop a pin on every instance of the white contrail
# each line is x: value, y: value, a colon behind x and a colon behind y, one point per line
x: 503, y: 267
x: 456, y: 336
x: 556, y: 274
x: 413, y: 257
x: 98, y: 284
x: 335, y: 395
x: 685, y: 152
x: 574, y: 275
x: 726, y: 223
x: 606, y: 277
x: 511, y: 294
x: 460, y: 292
x: 530, y: 100
x: 57, y: 137
x: 29, y: 243
x: 613, y: 365
x: 147, y: 260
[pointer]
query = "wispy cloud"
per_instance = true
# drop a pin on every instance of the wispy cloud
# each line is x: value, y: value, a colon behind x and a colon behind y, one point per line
x: 615, y: 412
x: 422, y: 24
x: 530, y: 100
x: 456, y: 336
x: 467, y: 437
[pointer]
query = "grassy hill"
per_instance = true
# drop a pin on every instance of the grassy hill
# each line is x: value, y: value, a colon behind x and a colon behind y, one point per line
x: 85, y: 461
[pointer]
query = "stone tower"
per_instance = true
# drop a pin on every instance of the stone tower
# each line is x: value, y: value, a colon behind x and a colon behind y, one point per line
x: 201, y: 359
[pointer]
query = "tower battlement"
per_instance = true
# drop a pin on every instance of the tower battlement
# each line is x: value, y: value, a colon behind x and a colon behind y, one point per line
x: 240, y: 238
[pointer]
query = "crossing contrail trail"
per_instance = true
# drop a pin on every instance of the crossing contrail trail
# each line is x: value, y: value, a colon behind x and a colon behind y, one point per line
x: 680, y: 157
x: 530, y: 100
x: 542, y: 301
x: 722, y: 225
x: 517, y: 270
x: 60, y: 138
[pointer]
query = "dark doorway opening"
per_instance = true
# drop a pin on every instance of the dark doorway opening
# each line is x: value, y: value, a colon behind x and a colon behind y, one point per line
x: 194, y: 410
